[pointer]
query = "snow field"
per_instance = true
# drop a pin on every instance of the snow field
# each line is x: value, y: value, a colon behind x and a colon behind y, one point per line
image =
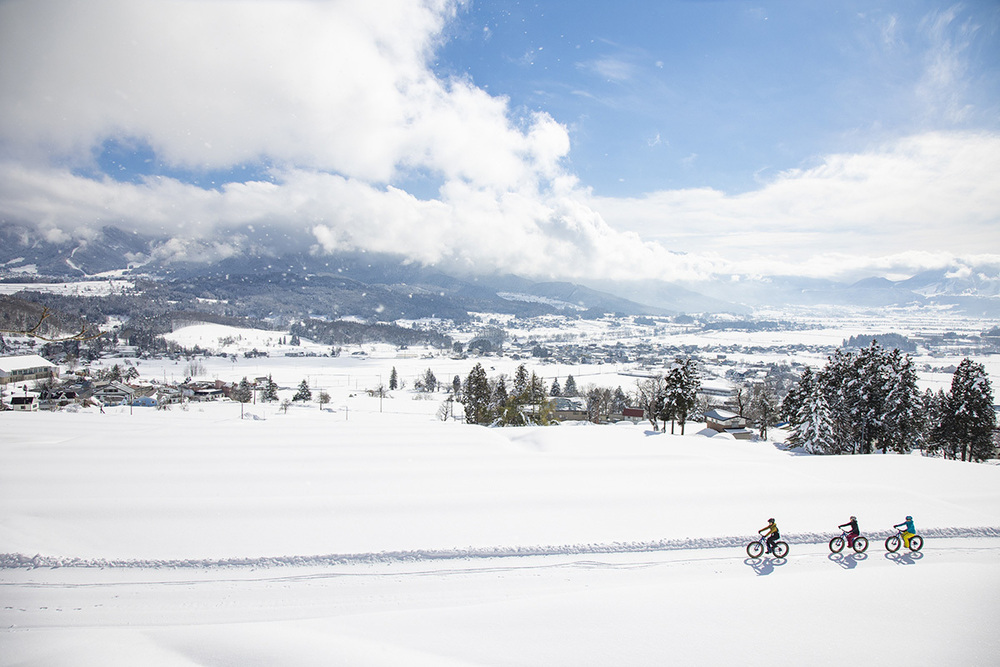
x: 371, y: 533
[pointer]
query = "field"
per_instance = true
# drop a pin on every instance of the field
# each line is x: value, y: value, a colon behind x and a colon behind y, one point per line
x: 370, y: 534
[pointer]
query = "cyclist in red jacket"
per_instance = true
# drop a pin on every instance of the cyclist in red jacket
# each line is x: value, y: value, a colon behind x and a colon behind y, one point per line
x: 853, y: 532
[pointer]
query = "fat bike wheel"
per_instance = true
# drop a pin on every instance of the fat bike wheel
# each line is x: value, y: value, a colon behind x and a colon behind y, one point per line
x: 916, y: 543
x: 837, y: 545
x: 861, y: 544
x: 780, y: 549
x: 755, y: 549
x: 892, y: 544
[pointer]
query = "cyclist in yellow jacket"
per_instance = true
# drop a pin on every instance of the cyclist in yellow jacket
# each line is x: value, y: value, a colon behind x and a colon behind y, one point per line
x: 772, y: 534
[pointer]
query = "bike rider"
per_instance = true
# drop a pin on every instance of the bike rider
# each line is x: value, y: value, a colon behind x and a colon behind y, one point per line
x: 910, y: 531
x: 853, y: 532
x: 772, y: 534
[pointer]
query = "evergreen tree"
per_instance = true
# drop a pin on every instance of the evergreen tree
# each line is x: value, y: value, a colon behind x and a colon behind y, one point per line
x: 969, y: 416
x: 536, y: 394
x: 763, y: 407
x: 619, y: 401
x: 682, y: 385
x: 270, y: 391
x: 242, y: 392
x: 476, y: 396
x: 429, y: 381
x: 813, y: 428
x: 555, y: 389
x: 569, y: 389
x: 393, y: 380
x: 498, y: 397
x: 521, y: 380
x: 901, y: 421
x: 304, y: 393
x: 792, y: 403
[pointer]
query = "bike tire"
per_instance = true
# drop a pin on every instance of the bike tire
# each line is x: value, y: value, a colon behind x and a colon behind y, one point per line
x: 780, y: 549
x: 916, y: 543
x: 860, y: 544
x: 755, y: 549
x: 892, y: 543
x: 837, y: 545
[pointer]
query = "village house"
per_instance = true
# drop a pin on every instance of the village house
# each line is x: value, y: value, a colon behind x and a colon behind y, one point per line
x: 570, y: 409
x: 24, y: 403
x: 725, y: 421
x: 114, y: 393
x: 634, y: 415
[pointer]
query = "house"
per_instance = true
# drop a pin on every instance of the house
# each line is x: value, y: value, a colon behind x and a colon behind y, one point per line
x: 570, y: 409
x: 24, y: 403
x: 725, y: 421
x: 57, y: 398
x: 26, y: 367
x: 114, y: 393
x: 634, y: 415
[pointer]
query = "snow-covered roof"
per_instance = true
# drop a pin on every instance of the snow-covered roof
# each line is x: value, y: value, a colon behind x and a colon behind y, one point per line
x: 718, y: 414
x: 24, y: 362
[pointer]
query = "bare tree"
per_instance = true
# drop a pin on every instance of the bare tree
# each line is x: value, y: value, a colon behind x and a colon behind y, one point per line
x: 36, y: 331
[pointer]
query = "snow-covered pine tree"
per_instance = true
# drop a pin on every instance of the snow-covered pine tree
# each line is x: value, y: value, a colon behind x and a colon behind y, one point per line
x: 569, y: 388
x: 814, y: 430
x: 242, y: 392
x: 792, y: 403
x: 304, y: 393
x: 901, y: 421
x: 476, y: 396
x: 970, y: 417
x: 683, y: 384
x: 763, y: 407
x: 429, y: 381
x: 393, y: 379
x: 867, y: 391
x: 498, y: 397
x: 555, y: 390
x: 269, y: 392
x: 521, y: 381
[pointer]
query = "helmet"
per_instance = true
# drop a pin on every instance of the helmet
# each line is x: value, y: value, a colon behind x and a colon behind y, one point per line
x: 854, y: 518
x: 770, y: 520
x: 909, y: 518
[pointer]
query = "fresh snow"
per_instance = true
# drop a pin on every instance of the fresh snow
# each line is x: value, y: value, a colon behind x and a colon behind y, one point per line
x: 373, y: 534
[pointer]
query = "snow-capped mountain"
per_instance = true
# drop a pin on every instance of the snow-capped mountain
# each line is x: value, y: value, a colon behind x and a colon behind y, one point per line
x: 257, y: 252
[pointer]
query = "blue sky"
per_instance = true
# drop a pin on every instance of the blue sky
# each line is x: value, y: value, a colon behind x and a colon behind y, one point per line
x: 723, y: 94
x: 676, y: 140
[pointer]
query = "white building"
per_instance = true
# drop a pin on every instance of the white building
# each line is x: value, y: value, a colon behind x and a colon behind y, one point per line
x: 26, y: 367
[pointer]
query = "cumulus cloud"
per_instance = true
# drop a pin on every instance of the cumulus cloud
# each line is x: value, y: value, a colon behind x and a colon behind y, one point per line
x: 917, y: 199
x: 341, y: 99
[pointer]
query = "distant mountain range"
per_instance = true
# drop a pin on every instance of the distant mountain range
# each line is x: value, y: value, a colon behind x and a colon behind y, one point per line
x: 373, y: 286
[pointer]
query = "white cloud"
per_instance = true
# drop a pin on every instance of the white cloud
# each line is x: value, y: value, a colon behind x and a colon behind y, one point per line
x: 341, y: 98
x: 937, y: 193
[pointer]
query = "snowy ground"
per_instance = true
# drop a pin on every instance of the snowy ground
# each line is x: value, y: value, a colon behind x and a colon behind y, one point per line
x: 390, y: 538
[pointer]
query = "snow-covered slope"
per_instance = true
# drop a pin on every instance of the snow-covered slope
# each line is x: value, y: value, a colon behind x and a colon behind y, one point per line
x: 374, y: 538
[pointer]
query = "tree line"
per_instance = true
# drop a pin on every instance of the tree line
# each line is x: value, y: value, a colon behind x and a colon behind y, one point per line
x: 867, y: 401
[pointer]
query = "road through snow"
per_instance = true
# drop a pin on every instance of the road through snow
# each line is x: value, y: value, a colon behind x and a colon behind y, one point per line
x: 681, y: 606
